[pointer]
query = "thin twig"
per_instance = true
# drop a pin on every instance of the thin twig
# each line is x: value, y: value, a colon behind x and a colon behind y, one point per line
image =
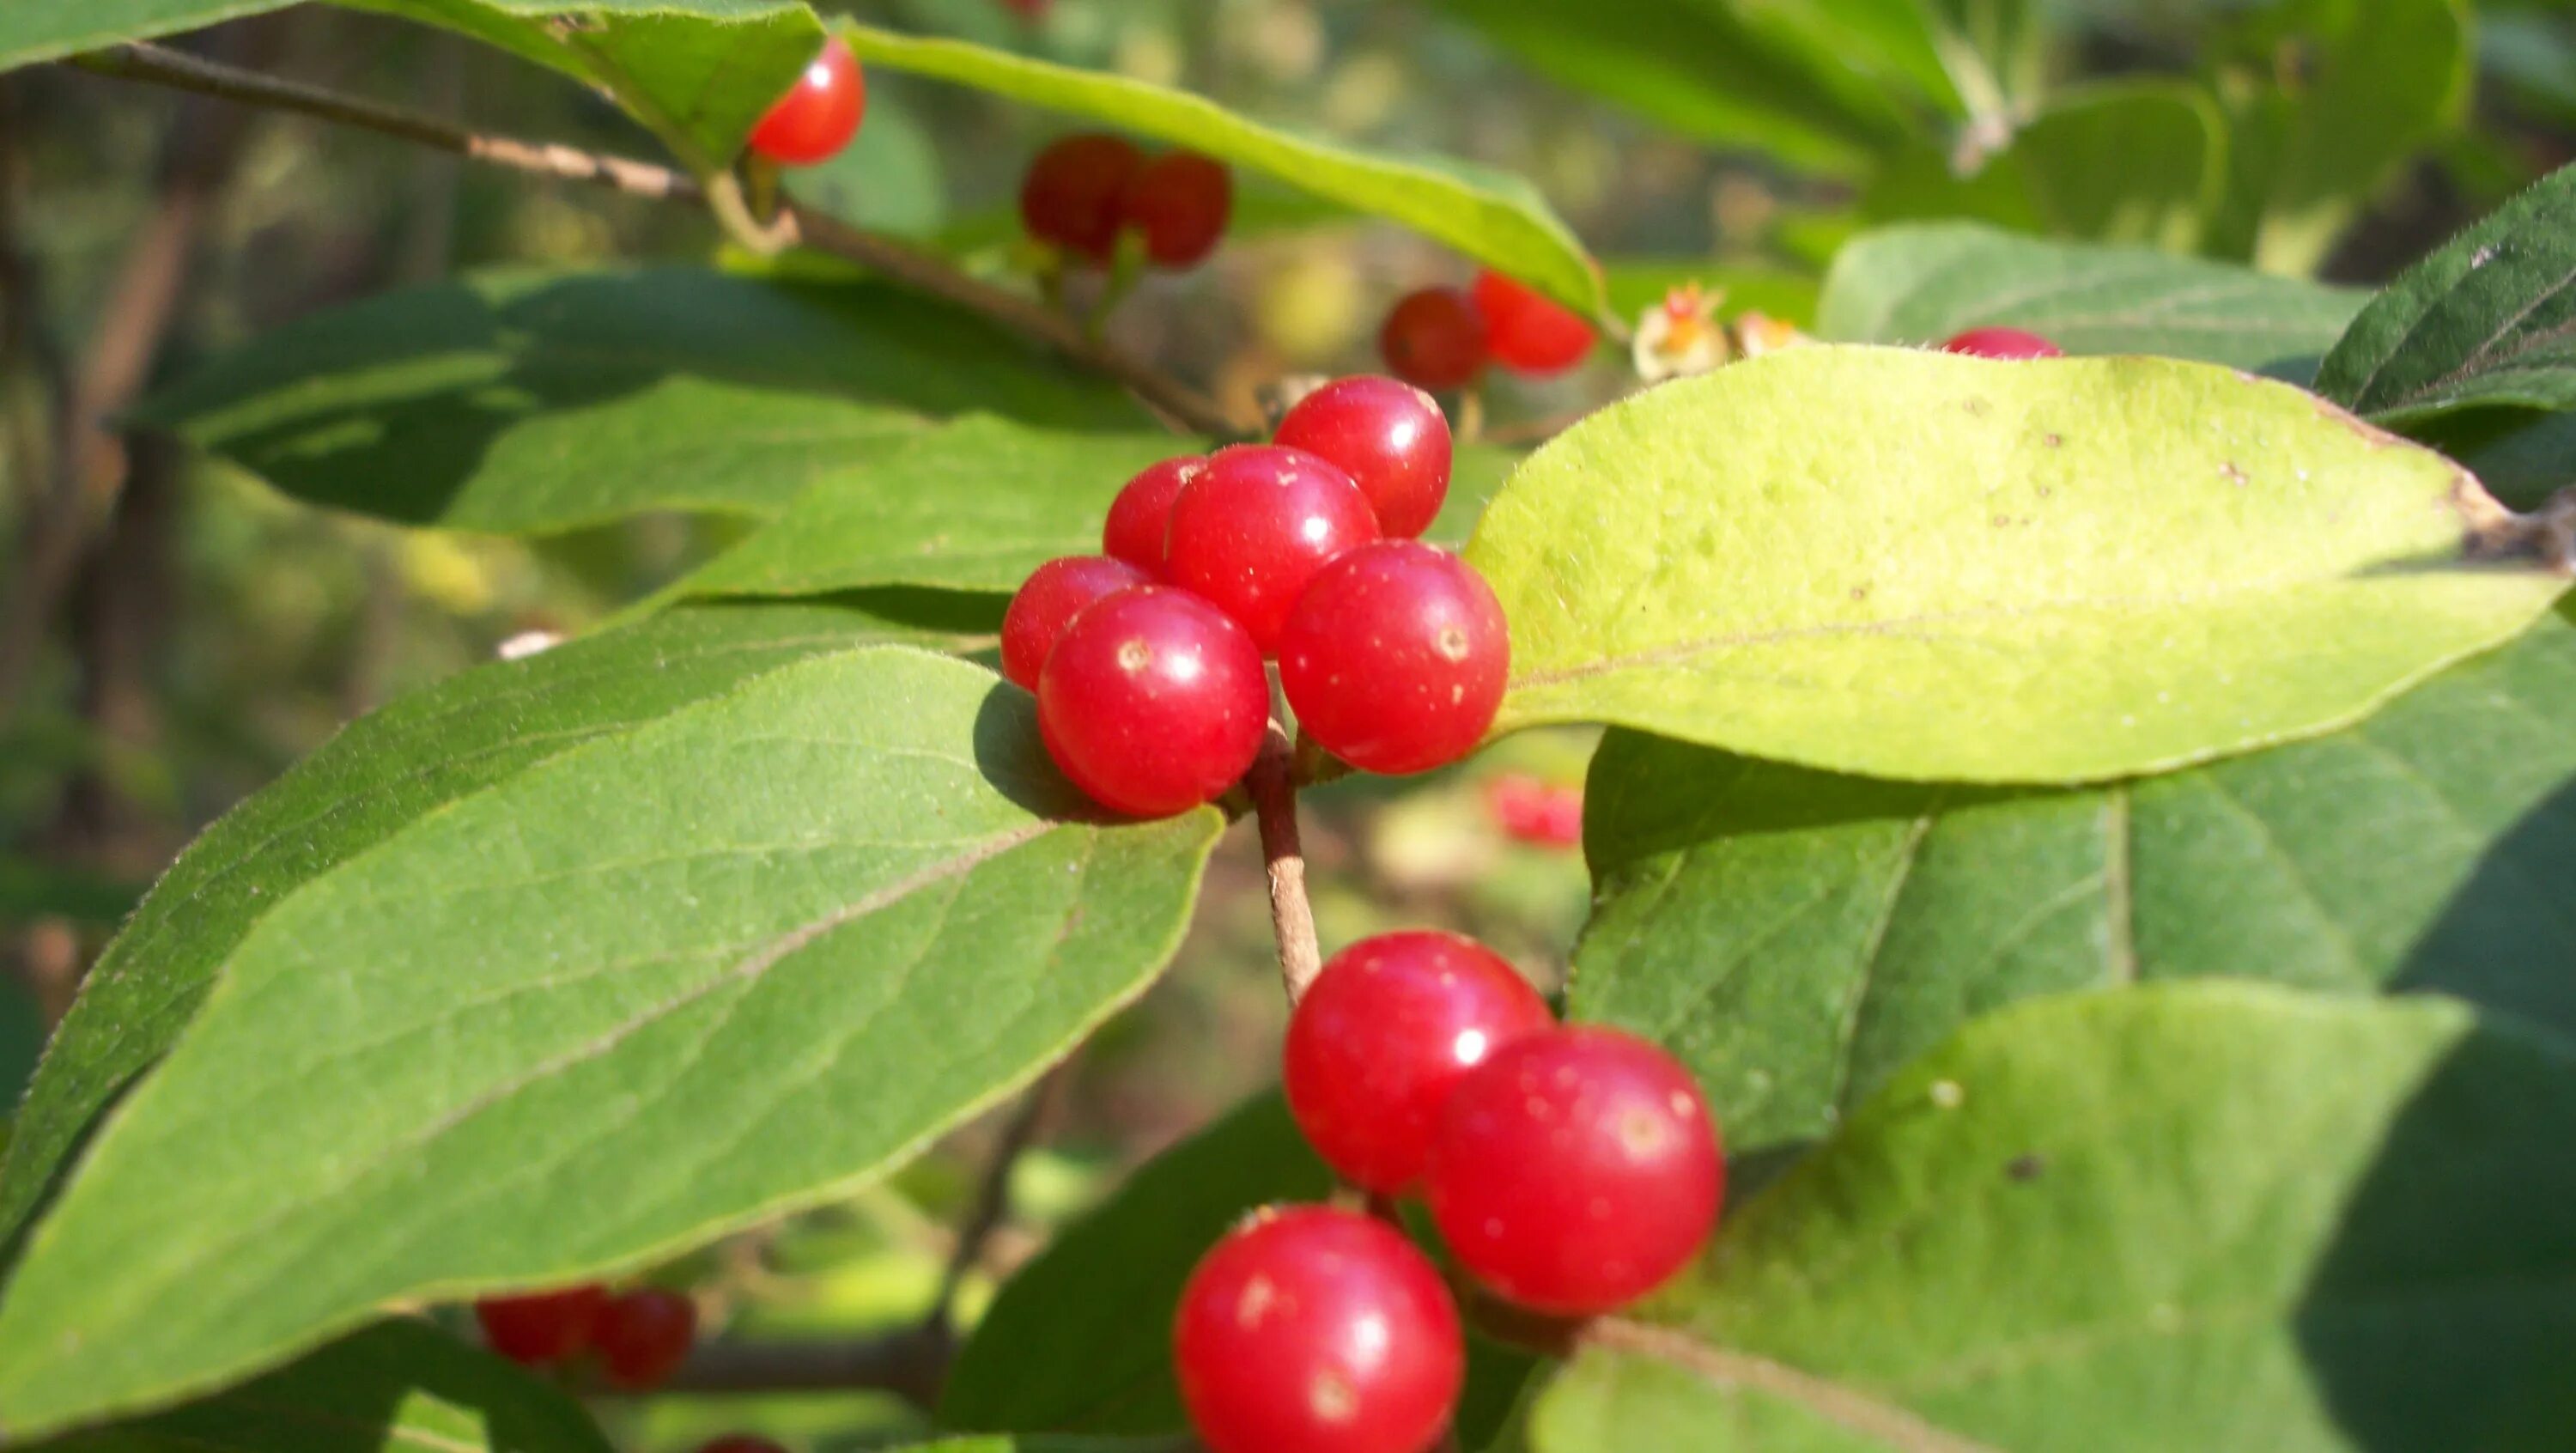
x: 993, y: 1194
x: 1180, y: 404
x: 1272, y: 784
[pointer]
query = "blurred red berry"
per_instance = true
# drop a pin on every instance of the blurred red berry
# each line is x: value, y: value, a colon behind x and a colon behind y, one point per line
x: 1434, y: 339
x: 1180, y: 202
x: 2005, y: 343
x: 819, y: 114
x: 643, y: 1336
x: 543, y: 1328
x: 1071, y: 196
x: 1527, y: 331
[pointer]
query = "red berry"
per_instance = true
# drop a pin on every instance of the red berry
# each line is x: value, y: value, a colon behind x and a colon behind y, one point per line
x: 1384, y: 1034
x: 1311, y: 1330
x: 741, y: 1443
x: 1140, y: 519
x: 1180, y: 202
x: 1575, y: 1170
x: 1072, y: 193
x: 547, y: 1327
x: 1251, y: 531
x: 2009, y: 343
x: 1394, y: 658
x: 819, y: 114
x: 644, y: 1336
x: 1434, y: 339
x: 1153, y: 701
x: 1388, y: 436
x: 1527, y: 331
x: 1053, y: 595
x: 1533, y: 811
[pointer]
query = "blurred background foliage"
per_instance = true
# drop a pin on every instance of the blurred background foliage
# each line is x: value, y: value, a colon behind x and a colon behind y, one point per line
x: 214, y: 632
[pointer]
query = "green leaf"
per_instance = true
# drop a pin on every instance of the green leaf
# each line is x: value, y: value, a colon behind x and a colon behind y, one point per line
x: 2048, y: 177
x: 1079, y: 1341
x: 1922, y: 284
x: 1919, y: 565
x: 388, y: 772
x: 2488, y: 319
x: 2326, y: 99
x: 698, y: 73
x: 2520, y: 455
x: 1796, y: 937
x: 670, y: 983
x: 397, y: 1385
x: 2206, y: 1216
x: 1488, y: 216
x: 976, y: 506
x: 1706, y: 70
x: 541, y: 401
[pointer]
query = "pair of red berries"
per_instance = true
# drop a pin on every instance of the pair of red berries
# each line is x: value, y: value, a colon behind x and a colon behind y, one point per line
x: 639, y: 1337
x: 1531, y: 810
x: 1570, y: 1170
x: 1083, y: 191
x: 1147, y: 659
x: 819, y: 114
x: 2004, y: 343
x: 1442, y: 338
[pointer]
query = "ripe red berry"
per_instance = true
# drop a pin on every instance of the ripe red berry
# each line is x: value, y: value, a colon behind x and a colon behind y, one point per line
x: 1251, y: 531
x: 741, y: 1443
x: 1575, y: 1170
x: 1311, y: 1330
x: 1180, y: 202
x: 644, y: 1336
x: 1140, y: 520
x: 2008, y: 343
x: 546, y: 1327
x: 1153, y: 701
x: 1434, y: 339
x: 1532, y: 811
x: 819, y: 114
x: 1527, y: 331
x: 1383, y: 1035
x: 1053, y: 595
x: 1071, y: 195
x: 1395, y: 657
x: 1388, y: 436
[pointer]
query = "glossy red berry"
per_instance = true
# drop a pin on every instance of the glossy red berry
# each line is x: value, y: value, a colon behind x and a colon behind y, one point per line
x: 545, y: 1328
x: 1140, y: 520
x: 1434, y: 339
x: 1395, y: 657
x: 1312, y: 1330
x: 1388, y: 436
x: 1251, y: 531
x: 643, y: 1337
x: 2007, y: 343
x: 1527, y: 331
x: 1575, y: 1170
x: 1383, y: 1035
x: 1153, y: 701
x: 819, y: 114
x: 1053, y: 595
x: 1072, y: 194
x: 741, y: 1443
x: 1179, y: 202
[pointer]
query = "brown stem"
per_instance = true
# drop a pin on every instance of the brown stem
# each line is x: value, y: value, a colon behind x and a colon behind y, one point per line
x: 993, y: 1194
x: 1176, y: 401
x: 1272, y: 784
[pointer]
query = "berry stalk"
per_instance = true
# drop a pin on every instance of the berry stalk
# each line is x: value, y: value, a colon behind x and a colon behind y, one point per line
x: 1273, y: 786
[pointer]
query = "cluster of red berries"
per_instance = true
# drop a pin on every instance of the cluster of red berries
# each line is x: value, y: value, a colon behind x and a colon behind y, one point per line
x: 2004, y: 343
x: 1442, y: 338
x: 638, y: 1338
x: 1569, y: 1170
x: 1083, y: 191
x: 1147, y: 658
x: 819, y: 114
x: 1532, y: 810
